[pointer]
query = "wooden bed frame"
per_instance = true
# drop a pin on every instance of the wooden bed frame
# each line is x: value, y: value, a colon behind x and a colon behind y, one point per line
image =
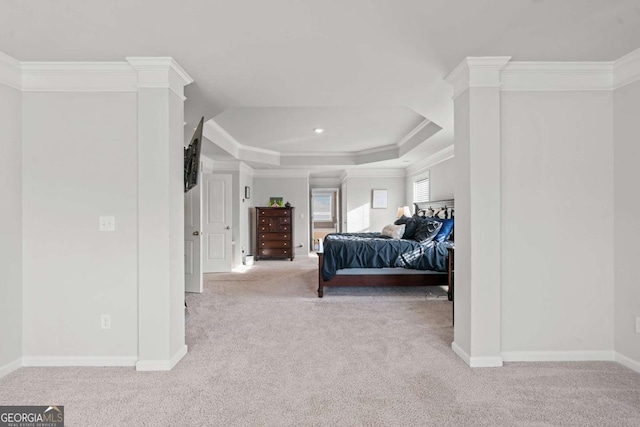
x: 396, y: 279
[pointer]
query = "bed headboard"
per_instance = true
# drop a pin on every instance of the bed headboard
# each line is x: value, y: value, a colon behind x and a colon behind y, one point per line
x: 442, y: 208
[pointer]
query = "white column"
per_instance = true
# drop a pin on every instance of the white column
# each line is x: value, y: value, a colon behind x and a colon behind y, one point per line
x: 160, y: 212
x: 476, y: 83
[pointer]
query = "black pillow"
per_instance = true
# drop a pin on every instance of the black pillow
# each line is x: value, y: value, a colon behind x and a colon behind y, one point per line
x: 410, y: 228
x: 427, y: 230
x: 402, y: 220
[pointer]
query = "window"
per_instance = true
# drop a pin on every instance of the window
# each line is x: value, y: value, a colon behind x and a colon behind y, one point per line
x: 322, y: 207
x: 421, y: 190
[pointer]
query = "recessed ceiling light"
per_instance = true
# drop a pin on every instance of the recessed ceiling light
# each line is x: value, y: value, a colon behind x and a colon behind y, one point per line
x: 318, y: 130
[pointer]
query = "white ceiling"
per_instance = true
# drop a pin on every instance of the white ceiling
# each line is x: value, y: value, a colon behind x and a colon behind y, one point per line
x: 291, y: 129
x: 369, y: 55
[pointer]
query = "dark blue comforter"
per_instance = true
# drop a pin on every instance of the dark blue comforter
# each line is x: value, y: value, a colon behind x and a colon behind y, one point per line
x: 372, y: 250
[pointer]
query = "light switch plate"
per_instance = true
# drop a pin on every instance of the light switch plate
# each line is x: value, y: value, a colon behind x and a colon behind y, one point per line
x: 107, y: 223
x: 637, y: 324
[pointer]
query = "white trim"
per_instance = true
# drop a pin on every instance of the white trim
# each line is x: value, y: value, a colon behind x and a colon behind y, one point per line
x: 477, y: 362
x: 246, y: 169
x: 79, y: 361
x: 423, y: 166
x: 160, y: 72
x: 10, y: 367
x: 627, y: 361
x: 162, y: 365
x: 281, y: 173
x: 461, y: 353
x: 178, y: 356
x: 476, y: 72
x: 375, y: 173
x: 223, y: 139
x: 557, y: 76
x: 78, y: 77
x: 10, y: 71
x: 626, y: 69
x: 160, y: 63
x: 557, y: 356
x: 486, y: 362
x: 413, y: 132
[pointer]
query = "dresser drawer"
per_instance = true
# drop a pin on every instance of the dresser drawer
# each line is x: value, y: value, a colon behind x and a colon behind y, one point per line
x: 275, y: 252
x: 274, y: 236
x: 285, y: 221
x: 274, y: 244
x: 274, y: 212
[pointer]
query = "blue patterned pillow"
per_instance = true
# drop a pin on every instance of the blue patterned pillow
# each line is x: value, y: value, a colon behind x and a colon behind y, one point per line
x: 426, y: 230
x: 445, y: 231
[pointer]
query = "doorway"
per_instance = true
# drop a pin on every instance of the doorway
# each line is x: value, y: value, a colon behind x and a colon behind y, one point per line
x: 325, y: 213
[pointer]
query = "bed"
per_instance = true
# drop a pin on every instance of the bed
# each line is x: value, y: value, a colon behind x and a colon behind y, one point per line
x: 369, y: 259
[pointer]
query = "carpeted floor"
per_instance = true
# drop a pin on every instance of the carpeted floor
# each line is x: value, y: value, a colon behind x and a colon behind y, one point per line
x: 265, y: 351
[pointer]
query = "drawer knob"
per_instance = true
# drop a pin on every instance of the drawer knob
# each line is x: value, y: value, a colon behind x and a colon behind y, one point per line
x: 284, y: 252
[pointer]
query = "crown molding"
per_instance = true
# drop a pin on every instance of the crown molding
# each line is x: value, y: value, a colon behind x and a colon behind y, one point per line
x: 129, y: 76
x: 626, y: 70
x: 10, y: 71
x: 246, y: 169
x: 78, y: 77
x: 322, y: 183
x: 160, y: 72
x: 557, y: 76
x: 413, y: 132
x: 420, y: 134
x: 281, y: 173
x: 423, y: 166
x: 476, y: 72
x: 217, y: 135
x: 225, y: 165
x: 374, y: 173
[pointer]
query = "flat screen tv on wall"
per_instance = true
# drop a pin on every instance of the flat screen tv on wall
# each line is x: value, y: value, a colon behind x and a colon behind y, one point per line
x: 192, y: 158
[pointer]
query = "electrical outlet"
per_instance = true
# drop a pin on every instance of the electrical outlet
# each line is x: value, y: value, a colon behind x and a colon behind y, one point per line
x: 105, y: 321
x: 637, y: 324
x: 107, y: 223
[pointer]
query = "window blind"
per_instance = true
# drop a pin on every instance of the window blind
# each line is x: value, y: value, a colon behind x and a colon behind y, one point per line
x: 421, y: 191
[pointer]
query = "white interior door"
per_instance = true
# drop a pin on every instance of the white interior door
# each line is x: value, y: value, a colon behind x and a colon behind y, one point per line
x: 216, y: 223
x: 192, y: 241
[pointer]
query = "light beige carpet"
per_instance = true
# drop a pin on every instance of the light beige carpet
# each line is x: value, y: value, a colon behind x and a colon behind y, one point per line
x: 265, y: 351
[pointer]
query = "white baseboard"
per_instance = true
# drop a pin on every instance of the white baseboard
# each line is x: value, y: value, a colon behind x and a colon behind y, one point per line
x: 179, y: 355
x: 477, y: 362
x: 557, y: 356
x: 161, y: 364
x: 461, y: 353
x: 10, y: 367
x: 79, y: 361
x: 627, y: 361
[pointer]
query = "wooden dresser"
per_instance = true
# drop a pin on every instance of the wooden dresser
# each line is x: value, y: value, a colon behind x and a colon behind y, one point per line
x: 274, y: 233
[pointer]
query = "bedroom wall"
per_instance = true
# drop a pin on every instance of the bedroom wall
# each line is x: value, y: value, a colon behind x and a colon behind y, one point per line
x: 10, y: 229
x: 360, y: 216
x: 442, y: 180
x: 626, y: 224
x: 294, y: 189
x: 442, y: 176
x: 246, y: 216
x: 80, y: 162
x: 557, y: 228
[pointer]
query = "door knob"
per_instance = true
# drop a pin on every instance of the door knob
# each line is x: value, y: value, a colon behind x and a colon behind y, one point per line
x: 196, y: 233
x: 228, y: 227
